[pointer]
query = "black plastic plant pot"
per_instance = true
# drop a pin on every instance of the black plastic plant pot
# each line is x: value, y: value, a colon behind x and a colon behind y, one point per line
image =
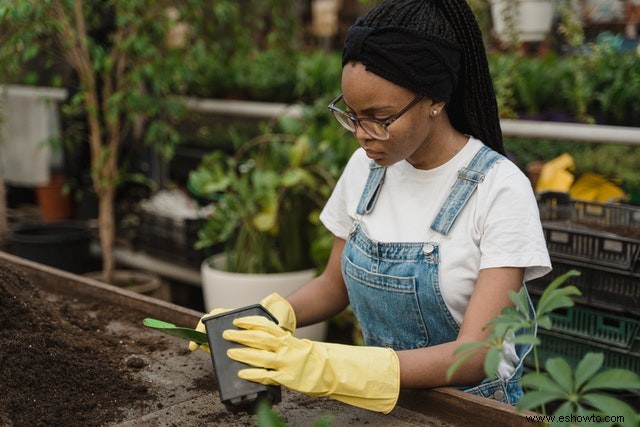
x: 62, y: 245
x: 236, y: 394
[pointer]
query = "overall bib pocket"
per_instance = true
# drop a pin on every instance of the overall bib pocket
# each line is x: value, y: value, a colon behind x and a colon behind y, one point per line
x: 373, y: 296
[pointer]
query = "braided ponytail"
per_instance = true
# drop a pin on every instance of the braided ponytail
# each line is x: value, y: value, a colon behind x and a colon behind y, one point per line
x: 474, y: 108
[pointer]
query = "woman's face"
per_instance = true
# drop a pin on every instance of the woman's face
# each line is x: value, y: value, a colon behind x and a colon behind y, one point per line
x: 410, y: 136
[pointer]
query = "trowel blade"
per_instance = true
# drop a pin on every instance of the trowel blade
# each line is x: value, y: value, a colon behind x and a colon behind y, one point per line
x: 176, y: 331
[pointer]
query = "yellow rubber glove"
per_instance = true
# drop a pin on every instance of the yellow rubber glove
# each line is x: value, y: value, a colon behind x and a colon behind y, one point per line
x: 367, y: 377
x: 193, y: 346
x: 274, y: 303
x: 281, y: 310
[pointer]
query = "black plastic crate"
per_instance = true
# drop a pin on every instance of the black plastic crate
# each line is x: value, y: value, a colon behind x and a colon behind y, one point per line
x: 606, y: 214
x: 602, y: 326
x: 573, y: 349
x: 170, y: 239
x: 574, y: 242
x: 601, y: 288
x: 559, y: 206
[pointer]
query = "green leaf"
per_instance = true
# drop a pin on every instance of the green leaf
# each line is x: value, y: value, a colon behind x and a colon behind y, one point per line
x: 558, y: 298
x: 614, y: 379
x: 534, y: 399
x: 293, y: 177
x: 467, y: 351
x: 521, y: 302
x: 565, y: 411
x: 469, y: 346
x: 491, y: 362
x: 526, y: 339
x: 299, y: 151
x: 553, y: 298
x: 267, y: 417
x: 542, y: 382
x: 560, y: 372
x: 610, y: 405
x: 545, y: 322
x: 588, y: 366
x: 559, y: 281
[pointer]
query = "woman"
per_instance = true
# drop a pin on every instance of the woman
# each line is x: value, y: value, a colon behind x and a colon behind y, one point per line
x: 433, y: 226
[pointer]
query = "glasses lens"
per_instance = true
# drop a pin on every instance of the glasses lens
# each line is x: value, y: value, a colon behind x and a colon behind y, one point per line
x: 344, y: 120
x: 375, y: 129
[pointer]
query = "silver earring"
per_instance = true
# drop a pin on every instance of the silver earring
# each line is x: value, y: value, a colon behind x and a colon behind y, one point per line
x: 434, y: 113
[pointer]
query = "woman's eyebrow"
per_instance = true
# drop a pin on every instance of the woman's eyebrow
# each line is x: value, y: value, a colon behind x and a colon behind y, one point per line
x: 371, y: 109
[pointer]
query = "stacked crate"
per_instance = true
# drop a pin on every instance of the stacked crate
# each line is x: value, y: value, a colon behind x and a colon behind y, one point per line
x: 602, y: 241
x: 170, y: 239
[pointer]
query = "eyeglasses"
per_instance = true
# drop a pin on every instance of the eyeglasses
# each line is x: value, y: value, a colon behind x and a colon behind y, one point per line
x: 375, y: 128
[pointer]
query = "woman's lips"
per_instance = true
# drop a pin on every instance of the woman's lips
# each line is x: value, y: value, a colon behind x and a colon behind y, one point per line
x: 373, y: 155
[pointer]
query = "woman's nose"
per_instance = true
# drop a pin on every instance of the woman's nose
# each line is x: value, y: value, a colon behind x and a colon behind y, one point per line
x: 360, y: 133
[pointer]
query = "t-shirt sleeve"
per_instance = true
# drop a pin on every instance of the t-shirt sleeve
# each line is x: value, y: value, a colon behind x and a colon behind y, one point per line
x: 512, y: 234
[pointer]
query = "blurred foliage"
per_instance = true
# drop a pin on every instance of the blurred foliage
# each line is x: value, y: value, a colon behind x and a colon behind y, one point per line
x: 269, y: 193
x: 594, y: 82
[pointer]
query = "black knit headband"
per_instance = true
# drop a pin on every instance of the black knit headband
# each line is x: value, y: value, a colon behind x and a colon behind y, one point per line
x: 423, y: 64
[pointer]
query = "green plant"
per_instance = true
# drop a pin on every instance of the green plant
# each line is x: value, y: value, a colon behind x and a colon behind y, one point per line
x: 581, y: 392
x: 318, y: 73
x: 253, y: 50
x: 267, y: 417
x: 269, y: 194
x: 571, y: 28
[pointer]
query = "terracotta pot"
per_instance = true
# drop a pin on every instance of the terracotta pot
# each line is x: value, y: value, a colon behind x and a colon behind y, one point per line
x: 54, y: 205
x: 533, y: 172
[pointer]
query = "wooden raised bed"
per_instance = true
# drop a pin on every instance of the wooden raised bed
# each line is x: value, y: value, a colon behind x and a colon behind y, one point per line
x: 177, y: 387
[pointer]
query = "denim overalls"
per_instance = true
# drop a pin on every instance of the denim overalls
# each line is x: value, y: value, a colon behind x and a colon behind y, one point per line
x: 394, y: 288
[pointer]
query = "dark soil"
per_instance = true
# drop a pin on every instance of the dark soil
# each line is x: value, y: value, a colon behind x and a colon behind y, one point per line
x: 57, y: 364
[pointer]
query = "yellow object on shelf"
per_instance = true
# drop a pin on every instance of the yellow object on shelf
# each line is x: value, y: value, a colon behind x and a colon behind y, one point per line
x: 594, y: 187
x: 555, y: 175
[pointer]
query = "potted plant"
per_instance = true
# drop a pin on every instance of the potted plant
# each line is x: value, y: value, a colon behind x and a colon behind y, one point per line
x: 267, y: 197
x: 523, y: 20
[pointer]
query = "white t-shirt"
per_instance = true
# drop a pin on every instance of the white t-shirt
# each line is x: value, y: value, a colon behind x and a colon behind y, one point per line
x: 499, y: 227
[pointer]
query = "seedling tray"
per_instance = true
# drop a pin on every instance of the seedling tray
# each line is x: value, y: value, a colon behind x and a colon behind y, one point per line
x: 597, y: 325
x: 573, y: 349
x: 601, y: 287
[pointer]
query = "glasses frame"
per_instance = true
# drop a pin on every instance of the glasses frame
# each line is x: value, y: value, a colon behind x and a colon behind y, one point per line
x: 385, y: 123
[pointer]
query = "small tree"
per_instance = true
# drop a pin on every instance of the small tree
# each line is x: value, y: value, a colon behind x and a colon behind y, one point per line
x: 129, y: 57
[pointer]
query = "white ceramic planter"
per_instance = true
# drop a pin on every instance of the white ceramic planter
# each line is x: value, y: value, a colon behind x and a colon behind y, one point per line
x: 534, y: 21
x: 224, y: 289
x: 31, y: 117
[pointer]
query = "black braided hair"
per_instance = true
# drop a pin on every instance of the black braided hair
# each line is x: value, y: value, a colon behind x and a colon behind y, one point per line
x: 473, y: 108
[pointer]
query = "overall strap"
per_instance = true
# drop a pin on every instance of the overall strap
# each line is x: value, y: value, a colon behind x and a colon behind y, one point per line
x: 371, y: 188
x: 468, y: 179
